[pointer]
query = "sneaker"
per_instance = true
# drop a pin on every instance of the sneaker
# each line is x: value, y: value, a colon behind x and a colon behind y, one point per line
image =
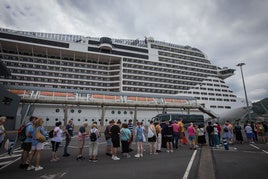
x: 38, y: 168
x: 171, y: 151
x: 95, y: 160
x: 30, y: 168
x: 113, y: 157
x: 137, y: 155
x: 116, y: 158
x: 141, y: 155
x: 53, y: 160
x: 167, y: 151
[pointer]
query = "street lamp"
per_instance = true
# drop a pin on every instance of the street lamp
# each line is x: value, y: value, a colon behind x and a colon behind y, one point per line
x: 240, y: 65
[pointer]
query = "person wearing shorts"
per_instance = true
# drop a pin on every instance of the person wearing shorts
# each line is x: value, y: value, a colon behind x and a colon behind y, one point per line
x: 191, y: 135
x: 27, y: 143
x: 115, y: 135
x: 55, y: 141
x: 37, y: 146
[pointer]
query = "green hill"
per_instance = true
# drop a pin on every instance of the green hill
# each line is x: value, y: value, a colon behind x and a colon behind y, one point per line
x: 260, y: 108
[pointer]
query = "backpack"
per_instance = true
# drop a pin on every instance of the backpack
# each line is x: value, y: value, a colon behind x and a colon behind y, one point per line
x: 93, y: 137
x: 225, y: 129
x: 22, y: 132
x: 51, y: 133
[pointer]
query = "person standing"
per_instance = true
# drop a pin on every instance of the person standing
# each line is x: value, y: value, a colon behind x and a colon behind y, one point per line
x: 168, y: 133
x: 210, y: 130
x: 81, y: 140
x: 93, y: 143
x: 191, y: 135
x: 115, y: 135
x: 125, y: 139
x: 159, y: 137
x: 37, y: 146
x: 69, y: 134
x: 201, y: 135
x: 176, y: 133
x: 139, y: 138
x: 152, y: 138
x: 249, y: 132
x: 2, y: 129
x: 27, y: 143
x: 55, y: 141
x: 108, y: 138
x: 216, y: 140
x: 238, y: 133
x: 181, y: 133
x: 130, y: 127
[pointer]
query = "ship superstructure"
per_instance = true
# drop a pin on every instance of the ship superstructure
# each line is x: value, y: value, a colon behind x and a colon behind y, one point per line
x: 73, y: 62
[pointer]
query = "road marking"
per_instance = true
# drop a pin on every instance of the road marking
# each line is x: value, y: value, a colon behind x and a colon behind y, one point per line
x: 265, y: 151
x: 254, y: 146
x: 185, y: 176
x: 258, y: 148
x: 10, y: 156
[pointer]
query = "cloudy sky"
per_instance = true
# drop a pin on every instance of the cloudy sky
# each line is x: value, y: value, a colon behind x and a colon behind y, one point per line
x: 228, y: 31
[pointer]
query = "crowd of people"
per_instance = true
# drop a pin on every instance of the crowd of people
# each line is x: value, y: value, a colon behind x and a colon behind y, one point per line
x: 169, y: 135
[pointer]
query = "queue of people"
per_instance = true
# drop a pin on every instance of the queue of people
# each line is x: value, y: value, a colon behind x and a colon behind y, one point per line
x: 170, y: 135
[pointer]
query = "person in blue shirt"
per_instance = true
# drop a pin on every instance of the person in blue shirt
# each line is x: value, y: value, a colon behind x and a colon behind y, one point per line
x: 37, y: 146
x: 27, y: 143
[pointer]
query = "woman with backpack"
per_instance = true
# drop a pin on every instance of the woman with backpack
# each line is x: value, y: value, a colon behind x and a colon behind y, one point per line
x: 93, y: 143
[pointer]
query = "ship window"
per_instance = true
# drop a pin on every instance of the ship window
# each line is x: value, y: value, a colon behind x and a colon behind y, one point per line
x: 119, y: 112
x: 227, y: 107
x: 57, y: 110
x: 220, y: 106
x: 72, y: 110
x: 79, y: 111
x: 112, y: 112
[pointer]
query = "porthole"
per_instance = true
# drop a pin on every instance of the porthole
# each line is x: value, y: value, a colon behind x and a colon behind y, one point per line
x: 79, y: 111
x: 57, y: 110
x: 72, y: 110
x: 47, y: 119
x: 78, y: 119
x: 112, y: 112
x: 125, y: 120
x: 85, y: 119
x: 131, y: 112
x: 56, y: 119
x: 119, y: 112
x: 92, y: 119
x: 99, y: 120
x: 106, y: 120
x: 125, y: 112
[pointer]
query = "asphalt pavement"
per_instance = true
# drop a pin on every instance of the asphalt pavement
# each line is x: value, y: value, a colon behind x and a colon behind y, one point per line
x: 241, y: 161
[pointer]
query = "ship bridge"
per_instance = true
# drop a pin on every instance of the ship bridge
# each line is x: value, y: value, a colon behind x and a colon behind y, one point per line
x: 34, y: 95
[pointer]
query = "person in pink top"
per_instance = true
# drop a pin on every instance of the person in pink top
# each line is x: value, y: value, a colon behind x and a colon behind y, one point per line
x: 191, y: 135
x: 176, y: 131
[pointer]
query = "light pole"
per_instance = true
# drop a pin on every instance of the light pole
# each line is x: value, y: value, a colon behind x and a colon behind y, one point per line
x: 240, y: 65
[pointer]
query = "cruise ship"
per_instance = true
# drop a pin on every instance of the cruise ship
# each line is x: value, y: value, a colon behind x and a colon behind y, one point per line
x: 49, y: 66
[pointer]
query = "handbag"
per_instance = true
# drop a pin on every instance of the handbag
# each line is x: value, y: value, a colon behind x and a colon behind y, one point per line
x: 6, y: 146
x: 39, y: 136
